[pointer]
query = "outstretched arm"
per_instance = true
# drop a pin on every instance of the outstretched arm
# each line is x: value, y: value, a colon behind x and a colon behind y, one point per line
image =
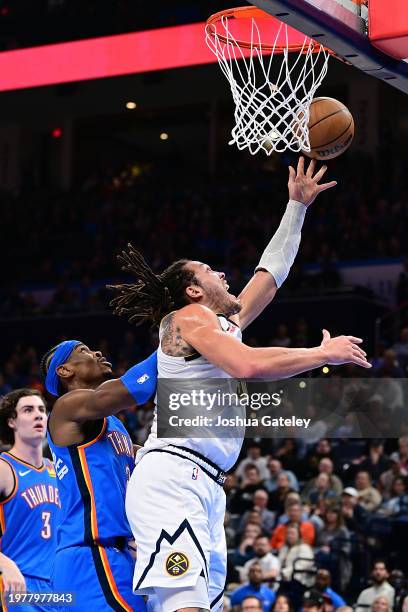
x: 199, y: 327
x: 279, y: 255
x: 136, y: 386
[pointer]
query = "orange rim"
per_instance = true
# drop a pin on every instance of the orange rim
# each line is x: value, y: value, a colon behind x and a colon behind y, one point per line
x: 253, y: 12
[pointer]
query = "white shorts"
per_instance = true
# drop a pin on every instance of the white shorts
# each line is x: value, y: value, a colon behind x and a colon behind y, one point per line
x: 176, y: 512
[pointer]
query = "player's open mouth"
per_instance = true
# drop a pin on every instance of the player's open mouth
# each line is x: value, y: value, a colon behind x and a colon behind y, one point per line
x: 105, y: 362
x: 39, y: 427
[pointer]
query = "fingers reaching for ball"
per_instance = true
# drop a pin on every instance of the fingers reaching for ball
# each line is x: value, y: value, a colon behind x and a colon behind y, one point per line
x: 304, y: 186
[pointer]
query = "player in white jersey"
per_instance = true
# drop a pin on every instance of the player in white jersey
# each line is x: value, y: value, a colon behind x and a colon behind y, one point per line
x: 175, y: 501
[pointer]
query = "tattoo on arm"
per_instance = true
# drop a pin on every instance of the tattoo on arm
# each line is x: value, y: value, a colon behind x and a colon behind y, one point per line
x: 172, y: 342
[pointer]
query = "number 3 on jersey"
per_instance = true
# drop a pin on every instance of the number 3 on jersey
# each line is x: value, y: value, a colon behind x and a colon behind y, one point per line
x: 46, y: 530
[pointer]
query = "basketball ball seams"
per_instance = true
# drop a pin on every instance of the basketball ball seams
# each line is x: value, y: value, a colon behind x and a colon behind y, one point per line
x: 325, y: 144
x: 331, y: 125
x: 340, y: 110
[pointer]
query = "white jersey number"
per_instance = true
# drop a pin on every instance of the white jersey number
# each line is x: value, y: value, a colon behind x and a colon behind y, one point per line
x: 46, y: 530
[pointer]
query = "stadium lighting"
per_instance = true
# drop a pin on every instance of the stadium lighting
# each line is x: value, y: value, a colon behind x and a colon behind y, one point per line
x: 131, y: 105
x: 164, y: 136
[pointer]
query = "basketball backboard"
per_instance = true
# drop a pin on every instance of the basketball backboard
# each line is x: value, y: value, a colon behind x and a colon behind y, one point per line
x: 342, y: 26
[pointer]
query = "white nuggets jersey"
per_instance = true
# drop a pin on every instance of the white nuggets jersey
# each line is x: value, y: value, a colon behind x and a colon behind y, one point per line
x: 221, y: 451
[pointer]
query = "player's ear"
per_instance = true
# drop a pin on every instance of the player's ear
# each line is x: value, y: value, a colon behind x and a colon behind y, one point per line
x: 11, y: 422
x: 194, y: 292
x: 65, y: 371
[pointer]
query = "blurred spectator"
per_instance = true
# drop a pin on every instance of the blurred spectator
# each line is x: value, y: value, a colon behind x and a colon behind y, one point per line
x: 321, y: 490
x: 307, y: 531
x: 278, y: 496
x: 265, y: 558
x: 245, y: 550
x: 251, y: 481
x: 253, y: 595
x: 381, y: 604
x: 368, y: 497
x: 253, y: 517
x: 315, y: 455
x: 333, y: 547
x: 389, y: 365
x: 381, y: 586
x: 322, y: 584
x: 400, y: 584
x: 312, y: 602
x: 290, y: 499
x: 325, y: 467
x: 395, y: 505
x: 376, y: 462
x: 282, y: 604
x: 296, y: 558
x: 288, y: 454
x: 275, y: 468
x: 354, y: 514
x: 253, y: 458
x: 259, y: 503
x: 387, y: 478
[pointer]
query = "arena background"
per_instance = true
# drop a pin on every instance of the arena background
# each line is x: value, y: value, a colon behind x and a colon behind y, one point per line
x: 81, y: 174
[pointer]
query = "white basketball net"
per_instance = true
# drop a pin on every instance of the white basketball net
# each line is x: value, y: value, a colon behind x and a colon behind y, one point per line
x: 272, y: 92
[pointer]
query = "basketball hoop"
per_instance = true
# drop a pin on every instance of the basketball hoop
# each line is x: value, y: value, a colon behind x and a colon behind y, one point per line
x: 273, y: 71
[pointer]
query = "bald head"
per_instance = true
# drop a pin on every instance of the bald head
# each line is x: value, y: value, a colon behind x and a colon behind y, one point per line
x: 260, y: 499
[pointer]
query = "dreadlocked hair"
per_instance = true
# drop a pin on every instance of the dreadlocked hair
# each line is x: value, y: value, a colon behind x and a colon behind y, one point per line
x: 152, y: 296
x: 46, y: 360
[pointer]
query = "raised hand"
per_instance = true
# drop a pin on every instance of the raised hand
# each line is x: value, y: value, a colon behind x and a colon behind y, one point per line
x: 304, y: 187
x: 343, y: 349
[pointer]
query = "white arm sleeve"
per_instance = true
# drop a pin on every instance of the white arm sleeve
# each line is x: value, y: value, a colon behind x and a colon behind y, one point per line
x: 280, y: 253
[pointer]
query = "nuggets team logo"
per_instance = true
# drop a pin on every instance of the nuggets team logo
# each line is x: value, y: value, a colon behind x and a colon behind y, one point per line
x: 177, y: 564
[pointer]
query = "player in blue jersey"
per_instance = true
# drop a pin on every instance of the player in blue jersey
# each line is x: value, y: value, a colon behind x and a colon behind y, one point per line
x: 30, y: 505
x: 93, y: 459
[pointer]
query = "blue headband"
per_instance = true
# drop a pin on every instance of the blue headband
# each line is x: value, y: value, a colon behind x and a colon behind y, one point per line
x: 62, y: 353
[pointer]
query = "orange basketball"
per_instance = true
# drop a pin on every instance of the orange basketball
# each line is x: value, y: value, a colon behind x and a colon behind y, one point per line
x: 331, y: 128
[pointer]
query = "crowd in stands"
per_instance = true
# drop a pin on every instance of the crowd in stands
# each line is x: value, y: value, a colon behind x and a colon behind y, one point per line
x: 317, y: 528
x: 71, y: 254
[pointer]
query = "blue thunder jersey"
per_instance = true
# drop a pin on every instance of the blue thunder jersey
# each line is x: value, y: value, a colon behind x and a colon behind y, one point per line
x: 29, y: 517
x: 92, y: 480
